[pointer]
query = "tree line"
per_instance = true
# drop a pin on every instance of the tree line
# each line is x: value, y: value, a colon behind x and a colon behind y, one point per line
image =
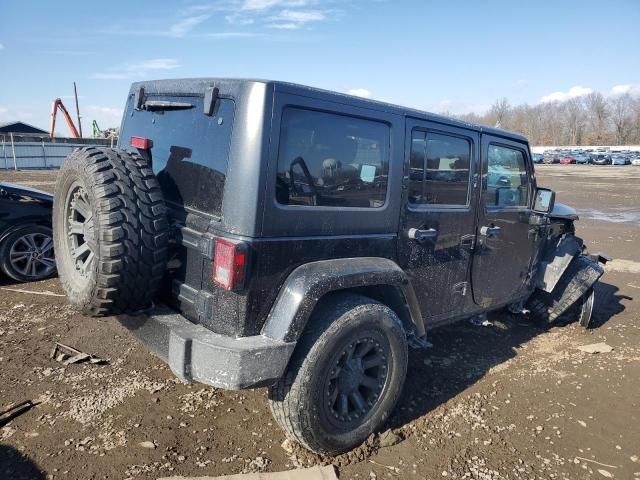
x: 591, y: 119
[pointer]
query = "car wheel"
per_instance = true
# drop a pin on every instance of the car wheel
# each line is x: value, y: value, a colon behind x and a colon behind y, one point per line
x: 110, y: 231
x: 549, y: 307
x: 586, y: 305
x: 344, y: 377
x: 27, y: 254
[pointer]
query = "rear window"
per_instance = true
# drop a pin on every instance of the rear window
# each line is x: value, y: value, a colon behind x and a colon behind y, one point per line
x: 332, y: 160
x: 190, y: 150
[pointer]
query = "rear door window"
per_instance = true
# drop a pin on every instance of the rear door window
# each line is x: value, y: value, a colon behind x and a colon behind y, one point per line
x: 439, y: 169
x: 331, y: 160
x: 190, y: 150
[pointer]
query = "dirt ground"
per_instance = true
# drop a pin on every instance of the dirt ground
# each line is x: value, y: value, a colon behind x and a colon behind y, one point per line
x: 510, y: 400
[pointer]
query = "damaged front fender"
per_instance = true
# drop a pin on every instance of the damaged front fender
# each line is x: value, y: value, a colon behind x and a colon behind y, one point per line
x: 578, y: 277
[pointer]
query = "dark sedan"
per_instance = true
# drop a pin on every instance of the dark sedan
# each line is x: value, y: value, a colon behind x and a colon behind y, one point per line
x: 26, y: 243
x: 601, y: 159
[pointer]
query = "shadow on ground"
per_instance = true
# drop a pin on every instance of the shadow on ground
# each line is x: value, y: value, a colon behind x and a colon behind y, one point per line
x: 16, y: 466
x: 463, y: 353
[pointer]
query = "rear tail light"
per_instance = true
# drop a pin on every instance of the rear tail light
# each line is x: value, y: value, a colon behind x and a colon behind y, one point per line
x: 141, y: 143
x: 230, y: 264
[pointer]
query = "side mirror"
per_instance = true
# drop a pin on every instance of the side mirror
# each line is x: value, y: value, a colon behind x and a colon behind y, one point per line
x: 545, y: 200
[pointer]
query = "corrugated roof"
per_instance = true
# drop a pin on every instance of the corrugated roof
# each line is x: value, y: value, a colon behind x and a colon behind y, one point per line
x: 6, y: 125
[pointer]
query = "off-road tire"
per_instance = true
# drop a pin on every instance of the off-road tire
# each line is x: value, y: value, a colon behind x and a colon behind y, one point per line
x: 127, y: 231
x: 549, y: 306
x: 294, y: 399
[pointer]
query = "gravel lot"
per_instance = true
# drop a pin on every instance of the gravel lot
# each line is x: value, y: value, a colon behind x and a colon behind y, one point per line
x: 508, y: 401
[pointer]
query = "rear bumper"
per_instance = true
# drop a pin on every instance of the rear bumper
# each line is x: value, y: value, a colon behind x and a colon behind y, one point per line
x: 196, y: 354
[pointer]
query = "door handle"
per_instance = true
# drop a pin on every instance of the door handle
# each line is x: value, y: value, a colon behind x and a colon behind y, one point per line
x: 491, y: 231
x: 421, y: 235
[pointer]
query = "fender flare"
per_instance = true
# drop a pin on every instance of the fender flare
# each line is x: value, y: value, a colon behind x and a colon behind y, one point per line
x: 555, y: 259
x: 308, y: 283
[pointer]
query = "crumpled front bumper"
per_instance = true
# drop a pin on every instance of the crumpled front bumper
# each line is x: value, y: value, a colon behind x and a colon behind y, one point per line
x: 195, y: 354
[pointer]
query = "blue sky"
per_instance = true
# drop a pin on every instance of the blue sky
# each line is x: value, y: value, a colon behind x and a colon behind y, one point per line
x: 453, y: 55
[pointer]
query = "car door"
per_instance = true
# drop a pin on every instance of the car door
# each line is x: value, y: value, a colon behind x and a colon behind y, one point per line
x: 437, y: 229
x: 505, y: 245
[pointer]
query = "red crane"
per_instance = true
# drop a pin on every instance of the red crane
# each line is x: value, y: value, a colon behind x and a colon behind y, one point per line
x: 57, y: 104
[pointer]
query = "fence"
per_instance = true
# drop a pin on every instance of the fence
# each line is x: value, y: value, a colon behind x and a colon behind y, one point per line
x: 17, y: 154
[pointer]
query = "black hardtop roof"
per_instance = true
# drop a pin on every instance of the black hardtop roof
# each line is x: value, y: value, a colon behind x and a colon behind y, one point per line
x: 197, y: 86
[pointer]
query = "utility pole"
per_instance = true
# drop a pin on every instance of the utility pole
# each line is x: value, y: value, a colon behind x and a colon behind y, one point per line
x: 75, y: 93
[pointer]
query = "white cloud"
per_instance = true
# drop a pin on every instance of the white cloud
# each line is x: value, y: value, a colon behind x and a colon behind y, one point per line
x: 293, y: 19
x: 626, y: 88
x: 266, y: 4
x: 138, y: 69
x: 573, y: 92
x: 239, y: 19
x: 233, y: 35
x: 285, y: 26
x: 107, y: 117
x: 156, y: 64
x: 360, y: 92
x: 184, y: 26
x: 300, y: 16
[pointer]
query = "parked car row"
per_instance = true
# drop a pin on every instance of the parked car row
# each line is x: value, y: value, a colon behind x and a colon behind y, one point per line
x: 584, y: 157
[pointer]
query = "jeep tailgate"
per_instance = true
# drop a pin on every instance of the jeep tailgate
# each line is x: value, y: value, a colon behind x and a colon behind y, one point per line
x: 189, y: 149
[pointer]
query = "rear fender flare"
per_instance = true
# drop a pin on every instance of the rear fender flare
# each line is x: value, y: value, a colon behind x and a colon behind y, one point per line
x: 308, y: 283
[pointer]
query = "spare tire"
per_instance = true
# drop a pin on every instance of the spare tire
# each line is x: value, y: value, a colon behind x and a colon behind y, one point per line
x: 110, y: 231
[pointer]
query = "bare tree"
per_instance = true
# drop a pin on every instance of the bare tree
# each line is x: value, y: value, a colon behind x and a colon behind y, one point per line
x: 598, y: 114
x: 621, y: 116
x: 589, y: 120
x: 575, y: 117
x: 498, y: 112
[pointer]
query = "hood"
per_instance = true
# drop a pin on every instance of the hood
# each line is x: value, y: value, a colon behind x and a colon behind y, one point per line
x: 23, y: 190
x: 565, y: 212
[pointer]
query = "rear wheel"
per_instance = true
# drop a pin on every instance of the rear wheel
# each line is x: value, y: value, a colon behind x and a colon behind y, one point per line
x: 110, y: 231
x: 345, y: 376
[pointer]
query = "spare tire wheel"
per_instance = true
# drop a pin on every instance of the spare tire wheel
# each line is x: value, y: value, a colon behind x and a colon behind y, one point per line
x: 110, y: 231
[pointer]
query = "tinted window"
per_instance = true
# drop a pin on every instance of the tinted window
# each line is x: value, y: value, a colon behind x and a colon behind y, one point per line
x: 439, y: 169
x: 190, y: 150
x: 332, y: 160
x: 507, y: 178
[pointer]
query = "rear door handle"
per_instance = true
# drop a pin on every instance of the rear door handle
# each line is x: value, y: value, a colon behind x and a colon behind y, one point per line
x: 491, y: 231
x: 421, y: 235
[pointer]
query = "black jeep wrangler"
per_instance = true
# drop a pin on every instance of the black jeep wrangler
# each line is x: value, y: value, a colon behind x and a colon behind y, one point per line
x: 270, y: 234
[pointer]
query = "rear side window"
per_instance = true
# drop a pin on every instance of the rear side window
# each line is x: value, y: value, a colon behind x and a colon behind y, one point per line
x: 332, y: 160
x: 439, y: 169
x: 507, y: 178
x: 190, y: 150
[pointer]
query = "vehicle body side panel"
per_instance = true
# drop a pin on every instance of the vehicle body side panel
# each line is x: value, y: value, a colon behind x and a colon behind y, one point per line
x: 23, y: 206
x: 502, y: 263
x: 439, y: 267
x: 311, y: 281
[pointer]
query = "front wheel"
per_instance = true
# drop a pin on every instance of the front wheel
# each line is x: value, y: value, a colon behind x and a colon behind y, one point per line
x: 585, y: 305
x: 26, y: 254
x: 345, y: 376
